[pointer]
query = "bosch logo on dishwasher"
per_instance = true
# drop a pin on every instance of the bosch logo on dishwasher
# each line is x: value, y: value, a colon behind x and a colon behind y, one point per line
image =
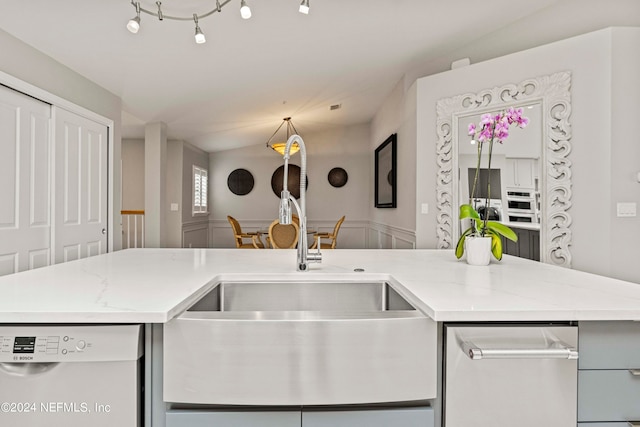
x: 22, y: 358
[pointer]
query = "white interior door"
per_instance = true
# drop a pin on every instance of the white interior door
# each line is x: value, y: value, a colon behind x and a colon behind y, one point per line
x: 81, y: 175
x: 25, y: 226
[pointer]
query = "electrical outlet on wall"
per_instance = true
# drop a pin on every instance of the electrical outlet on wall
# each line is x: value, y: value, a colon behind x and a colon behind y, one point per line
x: 626, y: 209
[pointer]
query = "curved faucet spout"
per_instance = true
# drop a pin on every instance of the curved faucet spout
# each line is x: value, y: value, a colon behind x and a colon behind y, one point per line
x: 304, y: 257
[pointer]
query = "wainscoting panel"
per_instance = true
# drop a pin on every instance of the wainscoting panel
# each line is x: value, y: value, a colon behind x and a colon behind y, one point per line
x: 383, y: 236
x: 353, y: 234
x: 195, y: 235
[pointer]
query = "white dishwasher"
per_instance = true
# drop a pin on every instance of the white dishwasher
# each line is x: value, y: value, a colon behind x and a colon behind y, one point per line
x: 70, y: 375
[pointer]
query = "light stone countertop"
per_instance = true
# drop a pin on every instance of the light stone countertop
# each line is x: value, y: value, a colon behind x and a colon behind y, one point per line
x: 155, y: 285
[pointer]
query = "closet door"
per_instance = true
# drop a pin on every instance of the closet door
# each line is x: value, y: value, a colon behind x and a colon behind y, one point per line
x: 80, y: 195
x: 25, y: 226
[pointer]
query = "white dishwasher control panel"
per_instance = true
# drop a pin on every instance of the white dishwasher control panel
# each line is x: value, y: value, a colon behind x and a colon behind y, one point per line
x: 69, y: 343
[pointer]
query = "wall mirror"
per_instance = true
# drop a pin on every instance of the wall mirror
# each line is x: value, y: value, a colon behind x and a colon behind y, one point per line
x: 385, y: 173
x: 532, y: 168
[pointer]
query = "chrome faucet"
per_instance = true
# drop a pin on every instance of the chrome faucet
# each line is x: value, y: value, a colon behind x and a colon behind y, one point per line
x: 304, y: 256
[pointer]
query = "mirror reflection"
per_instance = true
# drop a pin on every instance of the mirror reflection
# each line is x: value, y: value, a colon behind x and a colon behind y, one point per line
x: 515, y: 180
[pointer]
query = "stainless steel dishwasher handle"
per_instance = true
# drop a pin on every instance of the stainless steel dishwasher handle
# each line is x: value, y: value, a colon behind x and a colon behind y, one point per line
x: 633, y: 423
x: 476, y: 353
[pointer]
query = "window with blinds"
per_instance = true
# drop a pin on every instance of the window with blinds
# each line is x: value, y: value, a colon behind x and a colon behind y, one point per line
x: 200, y: 184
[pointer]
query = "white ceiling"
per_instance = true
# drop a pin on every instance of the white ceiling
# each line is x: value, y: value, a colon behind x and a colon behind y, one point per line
x: 234, y: 90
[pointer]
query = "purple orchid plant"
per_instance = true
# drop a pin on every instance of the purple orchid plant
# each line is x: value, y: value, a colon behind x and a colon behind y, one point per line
x: 491, y: 129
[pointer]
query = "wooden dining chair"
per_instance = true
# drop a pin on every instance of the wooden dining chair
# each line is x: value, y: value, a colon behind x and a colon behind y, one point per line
x: 330, y: 238
x: 239, y: 236
x: 283, y: 236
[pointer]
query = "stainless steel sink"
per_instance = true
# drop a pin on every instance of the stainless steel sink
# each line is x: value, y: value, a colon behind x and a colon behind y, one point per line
x: 308, y: 296
x: 300, y: 343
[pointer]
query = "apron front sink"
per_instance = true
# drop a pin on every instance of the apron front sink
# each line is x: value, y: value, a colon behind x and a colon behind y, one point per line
x: 300, y: 343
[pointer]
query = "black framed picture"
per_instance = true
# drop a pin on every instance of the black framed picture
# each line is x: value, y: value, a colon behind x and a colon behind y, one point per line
x: 385, y: 173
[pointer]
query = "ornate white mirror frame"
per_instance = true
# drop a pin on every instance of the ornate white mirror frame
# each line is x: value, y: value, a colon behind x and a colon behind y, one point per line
x: 553, y: 92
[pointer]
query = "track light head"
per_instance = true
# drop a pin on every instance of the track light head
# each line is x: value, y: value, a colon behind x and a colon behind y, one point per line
x: 134, y: 23
x: 304, y: 7
x: 245, y: 11
x: 200, y: 38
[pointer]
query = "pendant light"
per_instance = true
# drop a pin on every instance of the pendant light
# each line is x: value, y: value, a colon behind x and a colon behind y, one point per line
x: 279, y: 146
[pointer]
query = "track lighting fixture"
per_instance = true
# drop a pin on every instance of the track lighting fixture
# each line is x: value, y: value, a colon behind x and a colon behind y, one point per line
x: 304, y: 7
x: 134, y: 23
x: 160, y: 15
x: 245, y: 11
x: 200, y: 38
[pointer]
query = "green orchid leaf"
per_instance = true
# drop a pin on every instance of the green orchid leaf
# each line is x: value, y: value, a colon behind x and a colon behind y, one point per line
x: 467, y: 211
x: 502, y: 229
x: 496, y: 245
x: 460, y: 245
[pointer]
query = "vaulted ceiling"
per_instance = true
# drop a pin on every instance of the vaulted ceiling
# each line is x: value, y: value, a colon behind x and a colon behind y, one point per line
x: 234, y: 90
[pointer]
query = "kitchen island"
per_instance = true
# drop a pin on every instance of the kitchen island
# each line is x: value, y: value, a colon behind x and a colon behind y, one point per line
x: 155, y: 286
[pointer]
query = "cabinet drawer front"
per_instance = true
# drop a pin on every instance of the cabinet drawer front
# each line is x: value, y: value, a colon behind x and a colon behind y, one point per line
x: 198, y: 418
x: 609, y: 345
x: 608, y: 395
x: 405, y: 417
x: 621, y: 424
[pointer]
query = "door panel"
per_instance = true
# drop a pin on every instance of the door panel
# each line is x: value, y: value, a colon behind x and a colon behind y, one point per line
x: 81, y: 187
x: 25, y: 188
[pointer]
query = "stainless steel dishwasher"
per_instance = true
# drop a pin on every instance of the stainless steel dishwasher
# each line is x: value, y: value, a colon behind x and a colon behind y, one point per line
x: 72, y: 376
x: 507, y: 375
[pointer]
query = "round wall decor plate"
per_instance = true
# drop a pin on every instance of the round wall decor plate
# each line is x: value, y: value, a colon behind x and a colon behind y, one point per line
x: 293, y: 181
x: 240, y: 182
x: 338, y: 177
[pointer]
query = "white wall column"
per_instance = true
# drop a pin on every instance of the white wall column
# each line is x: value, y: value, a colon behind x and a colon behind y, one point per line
x: 155, y: 165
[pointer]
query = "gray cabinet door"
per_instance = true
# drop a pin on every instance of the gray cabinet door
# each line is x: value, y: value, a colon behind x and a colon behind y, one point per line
x: 400, y: 417
x: 609, y: 345
x: 527, y: 246
x: 195, y: 418
x: 603, y: 424
x: 608, y: 395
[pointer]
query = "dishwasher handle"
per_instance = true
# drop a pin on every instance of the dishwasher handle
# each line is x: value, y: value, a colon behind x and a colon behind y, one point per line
x: 23, y: 369
x: 474, y: 352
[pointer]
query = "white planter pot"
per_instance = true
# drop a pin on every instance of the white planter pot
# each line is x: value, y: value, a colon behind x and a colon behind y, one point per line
x: 478, y: 250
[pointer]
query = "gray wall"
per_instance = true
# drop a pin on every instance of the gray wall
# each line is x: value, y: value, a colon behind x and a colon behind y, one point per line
x: 174, y: 188
x: 133, y: 174
x: 345, y: 147
x: 604, y: 66
x: 397, y: 115
x: 181, y: 227
x: 195, y: 229
x: 625, y: 155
